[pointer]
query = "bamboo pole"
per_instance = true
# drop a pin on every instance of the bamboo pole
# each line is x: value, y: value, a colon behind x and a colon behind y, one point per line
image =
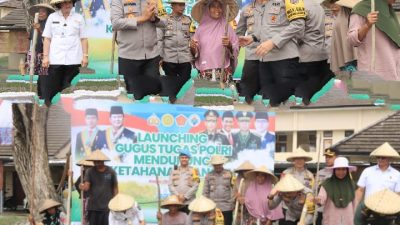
x: 320, y: 141
x: 33, y: 53
x: 372, y: 68
x: 224, y: 50
x: 235, y: 214
x: 82, y: 200
x: 69, y: 192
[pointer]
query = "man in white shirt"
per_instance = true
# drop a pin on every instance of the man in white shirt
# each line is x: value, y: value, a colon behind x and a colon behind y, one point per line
x: 65, y: 48
x: 381, y: 176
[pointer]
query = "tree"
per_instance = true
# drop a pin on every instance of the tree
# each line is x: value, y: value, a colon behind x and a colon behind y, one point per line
x: 31, y: 155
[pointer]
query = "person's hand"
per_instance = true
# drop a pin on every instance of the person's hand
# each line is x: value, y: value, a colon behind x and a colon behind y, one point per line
x: 273, y: 192
x: 148, y: 12
x: 264, y: 48
x: 85, y: 61
x: 245, y: 40
x: 45, y: 61
x: 36, y: 26
x: 241, y: 200
x: 226, y: 42
x: 194, y: 44
x: 159, y: 215
x: 372, y: 18
x: 81, y: 186
x: 31, y: 220
x: 181, y: 198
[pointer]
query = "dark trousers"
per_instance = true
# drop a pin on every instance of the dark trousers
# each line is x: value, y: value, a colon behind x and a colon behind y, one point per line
x: 278, y: 79
x: 313, y: 76
x: 250, y: 81
x: 141, y: 76
x: 177, y: 74
x: 98, y: 217
x: 228, y: 217
x: 319, y: 218
x: 59, y: 77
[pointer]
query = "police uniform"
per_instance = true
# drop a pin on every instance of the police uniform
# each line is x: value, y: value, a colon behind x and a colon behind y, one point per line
x: 282, y: 22
x: 305, y: 176
x: 137, y: 47
x: 219, y: 188
x: 65, y: 53
x: 184, y: 181
x: 249, y: 22
x: 245, y: 141
x: 314, y: 68
x: 176, y: 53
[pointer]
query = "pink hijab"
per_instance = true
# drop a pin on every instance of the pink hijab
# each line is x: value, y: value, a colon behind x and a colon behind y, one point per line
x: 256, y: 201
x: 209, y: 34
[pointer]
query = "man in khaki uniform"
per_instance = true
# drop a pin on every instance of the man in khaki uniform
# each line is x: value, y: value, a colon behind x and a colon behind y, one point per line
x: 299, y: 171
x: 218, y: 186
x: 184, y: 180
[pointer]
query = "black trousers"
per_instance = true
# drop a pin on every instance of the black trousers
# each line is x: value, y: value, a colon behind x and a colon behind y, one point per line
x: 141, y: 76
x: 319, y: 218
x: 250, y: 81
x: 278, y: 79
x: 228, y: 217
x: 98, y: 217
x: 59, y: 77
x: 313, y: 76
x: 176, y: 76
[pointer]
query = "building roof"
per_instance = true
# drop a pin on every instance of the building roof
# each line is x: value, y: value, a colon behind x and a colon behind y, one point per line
x: 11, y: 4
x: 58, y: 133
x: 368, y: 139
x: 15, y: 20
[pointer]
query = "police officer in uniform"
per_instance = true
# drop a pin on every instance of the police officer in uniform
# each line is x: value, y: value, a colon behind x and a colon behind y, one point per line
x: 211, y: 121
x: 89, y: 139
x: 175, y: 50
x: 299, y: 171
x: 244, y: 139
x: 282, y: 21
x: 218, y: 186
x: 250, y: 22
x: 184, y: 180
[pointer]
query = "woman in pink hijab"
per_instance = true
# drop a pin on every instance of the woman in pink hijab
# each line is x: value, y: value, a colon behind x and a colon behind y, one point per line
x: 260, y: 183
x: 209, y: 41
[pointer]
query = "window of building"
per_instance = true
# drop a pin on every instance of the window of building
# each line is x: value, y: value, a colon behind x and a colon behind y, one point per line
x: 328, y: 134
x: 348, y: 133
x: 281, y: 143
x: 307, y: 138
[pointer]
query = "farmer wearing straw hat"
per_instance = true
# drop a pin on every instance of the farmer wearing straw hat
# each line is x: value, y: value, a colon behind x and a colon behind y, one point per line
x: 44, y: 11
x: 387, y: 38
x: 91, y: 138
x: 102, y: 185
x: 337, y: 194
x: 184, y: 180
x: 135, y: 23
x: 65, y: 48
x: 296, y: 197
x: 52, y: 214
x: 175, y: 53
x: 86, y: 165
x: 380, y: 176
x: 124, y: 210
x: 260, y: 183
x: 299, y: 159
x: 381, y: 208
x: 174, y: 216
x: 204, y: 211
x: 246, y: 166
x: 218, y: 186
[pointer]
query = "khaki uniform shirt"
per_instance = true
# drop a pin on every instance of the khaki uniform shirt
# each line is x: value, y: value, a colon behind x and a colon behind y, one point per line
x: 176, y: 39
x: 219, y: 188
x: 249, y: 22
x: 135, y: 41
x: 181, y: 181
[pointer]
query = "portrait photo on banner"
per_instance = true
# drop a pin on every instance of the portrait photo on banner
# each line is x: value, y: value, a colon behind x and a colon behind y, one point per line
x: 144, y: 141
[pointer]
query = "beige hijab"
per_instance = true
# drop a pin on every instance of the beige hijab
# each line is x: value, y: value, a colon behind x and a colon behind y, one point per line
x: 341, y: 50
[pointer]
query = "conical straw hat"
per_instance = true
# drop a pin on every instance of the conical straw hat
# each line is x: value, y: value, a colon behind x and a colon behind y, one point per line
x: 261, y: 169
x: 347, y: 3
x: 289, y: 184
x: 200, y: 6
x: 54, y: 2
x: 171, y: 200
x: 202, y: 204
x: 48, y: 204
x: 85, y: 163
x: 217, y: 160
x: 245, y: 166
x: 385, y: 202
x: 121, y: 202
x: 299, y: 153
x: 385, y: 150
x: 34, y: 9
x: 97, y: 156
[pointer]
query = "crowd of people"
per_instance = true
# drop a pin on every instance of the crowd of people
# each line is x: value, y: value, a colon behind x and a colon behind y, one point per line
x: 288, y: 52
x: 252, y: 196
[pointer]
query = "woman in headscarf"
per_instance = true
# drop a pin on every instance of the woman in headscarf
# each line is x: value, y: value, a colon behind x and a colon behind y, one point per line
x: 210, y: 39
x: 44, y: 10
x: 261, y: 181
x: 387, y: 50
x: 337, y: 194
